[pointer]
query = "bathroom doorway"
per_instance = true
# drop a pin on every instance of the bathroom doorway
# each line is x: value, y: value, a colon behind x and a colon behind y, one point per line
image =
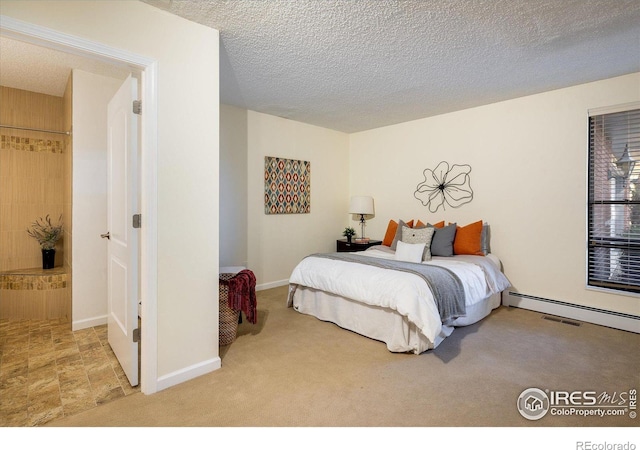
x: 47, y: 39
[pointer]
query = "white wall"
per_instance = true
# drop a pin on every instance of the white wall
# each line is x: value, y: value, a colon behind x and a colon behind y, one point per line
x: 528, y: 158
x: 91, y: 94
x: 187, y: 158
x: 276, y: 243
x: 233, y: 186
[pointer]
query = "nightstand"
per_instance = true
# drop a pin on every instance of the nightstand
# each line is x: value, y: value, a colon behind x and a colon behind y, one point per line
x: 353, y: 246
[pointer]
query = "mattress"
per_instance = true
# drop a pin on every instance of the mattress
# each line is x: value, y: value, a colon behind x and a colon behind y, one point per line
x: 395, y: 308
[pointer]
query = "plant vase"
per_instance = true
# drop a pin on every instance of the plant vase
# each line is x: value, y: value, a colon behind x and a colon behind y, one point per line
x: 48, y: 258
x: 349, y: 239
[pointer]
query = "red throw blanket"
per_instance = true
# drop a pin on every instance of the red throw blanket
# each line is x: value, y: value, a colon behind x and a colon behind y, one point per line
x: 242, y: 294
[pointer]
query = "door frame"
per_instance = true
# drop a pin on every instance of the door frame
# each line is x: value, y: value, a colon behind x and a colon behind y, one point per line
x: 148, y: 71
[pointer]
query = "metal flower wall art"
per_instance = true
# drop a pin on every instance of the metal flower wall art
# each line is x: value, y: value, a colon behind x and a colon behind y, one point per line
x: 445, y: 185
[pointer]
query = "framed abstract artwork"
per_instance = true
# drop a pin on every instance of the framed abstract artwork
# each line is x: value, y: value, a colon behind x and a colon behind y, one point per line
x: 287, y: 186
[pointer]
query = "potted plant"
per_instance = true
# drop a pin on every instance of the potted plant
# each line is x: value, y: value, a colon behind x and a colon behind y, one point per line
x: 349, y: 232
x: 47, y: 234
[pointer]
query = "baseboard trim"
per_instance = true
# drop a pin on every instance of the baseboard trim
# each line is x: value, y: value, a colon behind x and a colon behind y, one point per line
x: 88, y: 323
x: 273, y: 284
x: 612, y: 319
x: 188, y: 373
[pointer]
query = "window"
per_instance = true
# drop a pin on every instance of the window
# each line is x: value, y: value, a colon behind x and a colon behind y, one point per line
x: 614, y: 200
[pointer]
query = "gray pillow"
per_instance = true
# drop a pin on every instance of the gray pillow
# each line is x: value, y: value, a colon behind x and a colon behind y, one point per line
x: 442, y: 244
x: 485, y: 238
x: 398, y: 236
x: 420, y: 235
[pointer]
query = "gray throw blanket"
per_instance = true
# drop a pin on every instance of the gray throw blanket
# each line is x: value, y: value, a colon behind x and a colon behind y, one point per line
x: 445, y: 285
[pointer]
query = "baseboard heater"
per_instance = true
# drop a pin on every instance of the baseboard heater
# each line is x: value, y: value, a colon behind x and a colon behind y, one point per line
x: 613, y: 319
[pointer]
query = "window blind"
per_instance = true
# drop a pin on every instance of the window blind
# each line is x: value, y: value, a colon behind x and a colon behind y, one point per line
x: 614, y: 201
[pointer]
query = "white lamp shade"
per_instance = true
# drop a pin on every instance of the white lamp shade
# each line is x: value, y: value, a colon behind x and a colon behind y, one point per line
x: 361, y: 205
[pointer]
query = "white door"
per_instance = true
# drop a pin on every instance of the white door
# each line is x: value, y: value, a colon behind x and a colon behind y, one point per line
x: 122, y: 204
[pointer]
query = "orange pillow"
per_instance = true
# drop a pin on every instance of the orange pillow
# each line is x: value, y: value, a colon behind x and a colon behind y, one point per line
x: 468, y: 240
x: 439, y: 224
x: 419, y: 224
x: 391, y: 233
x: 392, y: 229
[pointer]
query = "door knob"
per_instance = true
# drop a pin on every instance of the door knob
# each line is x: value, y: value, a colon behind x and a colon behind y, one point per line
x: 106, y: 235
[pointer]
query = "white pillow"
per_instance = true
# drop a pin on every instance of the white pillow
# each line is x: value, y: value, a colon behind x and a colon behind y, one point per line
x: 409, y: 252
x: 419, y: 236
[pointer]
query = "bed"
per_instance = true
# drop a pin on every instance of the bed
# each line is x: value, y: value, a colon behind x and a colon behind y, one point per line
x: 398, y: 302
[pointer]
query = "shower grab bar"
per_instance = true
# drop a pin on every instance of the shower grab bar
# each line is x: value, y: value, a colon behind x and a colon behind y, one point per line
x: 35, y: 129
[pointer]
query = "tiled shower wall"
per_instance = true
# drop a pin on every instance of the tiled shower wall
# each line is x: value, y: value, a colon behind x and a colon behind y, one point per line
x: 32, y: 187
x: 32, y: 178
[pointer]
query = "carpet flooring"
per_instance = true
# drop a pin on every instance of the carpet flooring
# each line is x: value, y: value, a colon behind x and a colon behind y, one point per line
x: 293, y: 370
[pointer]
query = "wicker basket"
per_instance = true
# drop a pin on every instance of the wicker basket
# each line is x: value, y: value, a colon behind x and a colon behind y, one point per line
x: 228, y: 317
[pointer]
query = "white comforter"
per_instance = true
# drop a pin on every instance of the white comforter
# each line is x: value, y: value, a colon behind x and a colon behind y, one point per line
x: 406, y: 293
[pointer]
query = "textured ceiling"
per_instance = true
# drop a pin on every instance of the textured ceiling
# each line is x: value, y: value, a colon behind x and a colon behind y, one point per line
x: 38, y: 69
x: 353, y: 65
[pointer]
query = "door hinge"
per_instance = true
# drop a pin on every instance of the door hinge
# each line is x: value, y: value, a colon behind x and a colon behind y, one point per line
x: 137, y: 220
x: 137, y: 106
x: 136, y: 335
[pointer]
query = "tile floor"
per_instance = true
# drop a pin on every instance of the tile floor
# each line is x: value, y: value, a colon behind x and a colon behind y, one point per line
x: 48, y: 371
